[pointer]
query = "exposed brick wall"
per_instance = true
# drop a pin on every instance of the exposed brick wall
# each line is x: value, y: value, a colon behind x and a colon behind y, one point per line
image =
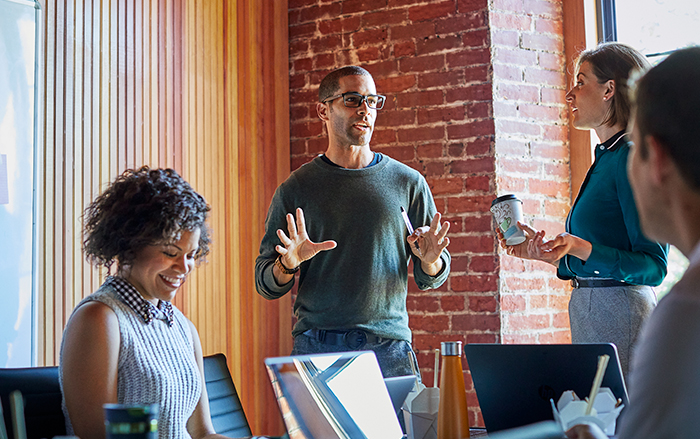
x: 433, y: 59
x: 532, y: 158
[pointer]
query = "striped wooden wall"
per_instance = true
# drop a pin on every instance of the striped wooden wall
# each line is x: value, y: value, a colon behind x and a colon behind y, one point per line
x: 197, y: 85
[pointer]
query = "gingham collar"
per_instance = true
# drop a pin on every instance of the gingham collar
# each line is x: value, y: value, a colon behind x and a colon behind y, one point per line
x: 135, y: 300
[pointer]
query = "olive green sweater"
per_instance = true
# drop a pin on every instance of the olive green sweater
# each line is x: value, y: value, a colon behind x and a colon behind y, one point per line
x: 363, y: 282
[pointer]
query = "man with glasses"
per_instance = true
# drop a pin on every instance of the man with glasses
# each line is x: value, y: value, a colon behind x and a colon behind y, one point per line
x: 353, y: 255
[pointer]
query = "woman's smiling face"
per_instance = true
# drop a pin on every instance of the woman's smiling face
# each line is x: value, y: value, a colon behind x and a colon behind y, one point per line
x: 159, y: 270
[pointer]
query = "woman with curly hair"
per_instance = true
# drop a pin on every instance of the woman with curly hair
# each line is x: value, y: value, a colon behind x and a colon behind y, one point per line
x: 126, y: 343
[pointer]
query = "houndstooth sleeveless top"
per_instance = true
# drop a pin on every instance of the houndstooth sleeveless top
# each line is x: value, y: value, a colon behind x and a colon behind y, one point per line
x: 156, y: 364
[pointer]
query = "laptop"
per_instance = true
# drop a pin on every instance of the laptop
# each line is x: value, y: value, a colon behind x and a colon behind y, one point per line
x: 333, y: 396
x: 399, y: 388
x: 514, y: 383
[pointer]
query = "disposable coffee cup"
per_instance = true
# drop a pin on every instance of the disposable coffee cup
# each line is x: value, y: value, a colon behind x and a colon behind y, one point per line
x: 131, y: 421
x: 508, y: 210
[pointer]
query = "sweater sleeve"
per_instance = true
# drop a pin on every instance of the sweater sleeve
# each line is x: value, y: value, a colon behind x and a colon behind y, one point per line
x: 265, y: 282
x: 644, y: 264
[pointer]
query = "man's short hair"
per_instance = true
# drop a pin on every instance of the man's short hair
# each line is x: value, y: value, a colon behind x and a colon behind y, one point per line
x: 330, y: 84
x: 668, y: 107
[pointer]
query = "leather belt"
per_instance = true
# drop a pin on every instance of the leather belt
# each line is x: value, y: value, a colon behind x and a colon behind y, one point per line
x: 597, y: 283
x: 354, y: 338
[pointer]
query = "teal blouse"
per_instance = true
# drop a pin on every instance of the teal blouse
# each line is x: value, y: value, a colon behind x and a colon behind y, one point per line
x: 605, y: 214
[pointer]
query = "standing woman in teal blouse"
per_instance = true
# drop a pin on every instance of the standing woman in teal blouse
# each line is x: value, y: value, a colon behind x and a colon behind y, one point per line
x: 610, y: 264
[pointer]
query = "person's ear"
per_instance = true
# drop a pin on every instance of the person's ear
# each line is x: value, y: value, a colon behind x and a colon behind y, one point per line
x: 322, y: 111
x: 609, y: 90
x: 661, y: 165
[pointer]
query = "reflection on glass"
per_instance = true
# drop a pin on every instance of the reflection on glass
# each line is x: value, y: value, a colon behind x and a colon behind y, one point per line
x: 333, y: 396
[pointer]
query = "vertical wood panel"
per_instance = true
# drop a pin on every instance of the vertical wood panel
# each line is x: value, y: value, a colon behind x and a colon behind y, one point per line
x: 197, y: 85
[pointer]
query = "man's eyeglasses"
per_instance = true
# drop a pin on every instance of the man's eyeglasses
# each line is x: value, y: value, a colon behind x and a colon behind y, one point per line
x: 352, y: 99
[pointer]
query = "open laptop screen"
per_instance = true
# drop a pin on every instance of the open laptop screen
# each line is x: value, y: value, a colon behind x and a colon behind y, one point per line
x: 514, y: 383
x: 340, y: 395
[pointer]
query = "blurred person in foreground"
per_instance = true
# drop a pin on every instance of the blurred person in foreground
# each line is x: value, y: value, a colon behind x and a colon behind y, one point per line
x: 126, y: 343
x: 610, y: 263
x: 664, y: 170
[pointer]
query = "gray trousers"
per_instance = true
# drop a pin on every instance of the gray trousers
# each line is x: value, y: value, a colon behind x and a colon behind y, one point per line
x: 610, y: 315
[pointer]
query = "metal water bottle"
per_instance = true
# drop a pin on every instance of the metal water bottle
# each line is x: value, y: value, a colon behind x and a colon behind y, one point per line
x: 453, y: 416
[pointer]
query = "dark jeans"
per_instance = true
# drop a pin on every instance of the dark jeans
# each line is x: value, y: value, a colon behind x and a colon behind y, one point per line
x: 394, y: 356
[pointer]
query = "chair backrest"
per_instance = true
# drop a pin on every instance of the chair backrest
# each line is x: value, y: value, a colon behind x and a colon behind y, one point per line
x: 42, y: 399
x: 226, y: 411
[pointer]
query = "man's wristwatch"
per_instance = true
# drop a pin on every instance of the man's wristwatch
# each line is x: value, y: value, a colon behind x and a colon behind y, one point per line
x: 284, y: 269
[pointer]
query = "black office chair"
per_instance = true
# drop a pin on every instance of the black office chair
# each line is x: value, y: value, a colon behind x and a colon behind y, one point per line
x: 42, y: 400
x: 227, y: 414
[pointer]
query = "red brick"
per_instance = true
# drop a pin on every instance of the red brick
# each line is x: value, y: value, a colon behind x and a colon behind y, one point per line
x: 431, y: 11
x: 538, y: 301
x: 558, y: 133
x: 440, y: 79
x: 367, y: 54
x: 433, y: 168
x: 555, y: 337
x: 383, y: 136
x: 478, y: 183
x: 419, y: 99
x: 482, y: 338
x: 478, y: 224
x: 476, y: 322
x: 524, y: 284
x: 432, y: 323
x: 431, y: 150
x: 352, y: 6
x: 383, y: 17
x: 302, y: 30
x: 553, y: 96
x: 480, y: 146
x: 293, y: 4
x: 479, y: 110
x: 550, y: 151
x: 382, y: 68
x: 468, y: 57
x: 519, y: 339
x: 506, y: 109
x: 560, y: 320
x: 306, y: 129
x: 370, y: 36
x: 412, y: 31
x: 512, y: 147
x: 458, y: 23
x: 475, y: 92
x: 401, y: 153
x: 441, y: 185
x: 478, y: 73
x: 479, y: 165
x: 440, y: 114
x: 511, y: 184
x: 541, y: 112
x: 297, y: 146
x: 560, y: 170
x: 513, y: 303
x: 483, y: 264
x: 422, y: 303
x: 471, y: 5
x: 453, y: 303
x: 421, y: 133
x: 549, y: 188
x: 296, y: 162
x: 404, y: 48
x: 551, y: 61
x: 422, y: 63
x: 483, y: 303
x: 298, y: 112
x: 437, y: 44
x: 508, y: 5
x: 324, y: 61
x: 470, y: 129
x: 548, y: 26
x: 559, y: 301
x: 316, y: 13
x: 556, y: 208
x: 471, y: 244
x: 476, y: 38
x: 317, y: 145
x: 394, y: 118
x: 300, y: 46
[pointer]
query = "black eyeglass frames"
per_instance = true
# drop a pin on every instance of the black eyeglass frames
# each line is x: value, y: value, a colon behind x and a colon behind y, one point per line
x: 352, y: 99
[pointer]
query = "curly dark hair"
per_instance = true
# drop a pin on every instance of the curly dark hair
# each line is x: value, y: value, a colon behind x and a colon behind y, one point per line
x: 140, y: 208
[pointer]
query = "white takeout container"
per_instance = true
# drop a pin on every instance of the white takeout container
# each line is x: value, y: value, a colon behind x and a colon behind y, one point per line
x: 570, y: 410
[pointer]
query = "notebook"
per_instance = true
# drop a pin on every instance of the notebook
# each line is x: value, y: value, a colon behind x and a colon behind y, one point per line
x: 333, y: 396
x: 514, y: 383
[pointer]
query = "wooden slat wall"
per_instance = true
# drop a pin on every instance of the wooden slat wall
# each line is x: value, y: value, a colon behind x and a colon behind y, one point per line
x: 197, y: 85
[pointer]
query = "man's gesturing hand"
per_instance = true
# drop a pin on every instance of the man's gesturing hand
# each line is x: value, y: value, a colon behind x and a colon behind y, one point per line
x: 431, y: 242
x: 297, y: 247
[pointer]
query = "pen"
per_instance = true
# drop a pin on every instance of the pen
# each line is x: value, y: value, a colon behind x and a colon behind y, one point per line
x: 406, y: 221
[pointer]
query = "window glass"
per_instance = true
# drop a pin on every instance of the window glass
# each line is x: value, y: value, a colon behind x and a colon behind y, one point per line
x: 656, y: 27
x: 17, y: 127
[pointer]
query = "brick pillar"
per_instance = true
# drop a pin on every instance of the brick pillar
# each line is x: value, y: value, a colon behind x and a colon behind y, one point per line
x: 532, y: 158
x: 433, y: 59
